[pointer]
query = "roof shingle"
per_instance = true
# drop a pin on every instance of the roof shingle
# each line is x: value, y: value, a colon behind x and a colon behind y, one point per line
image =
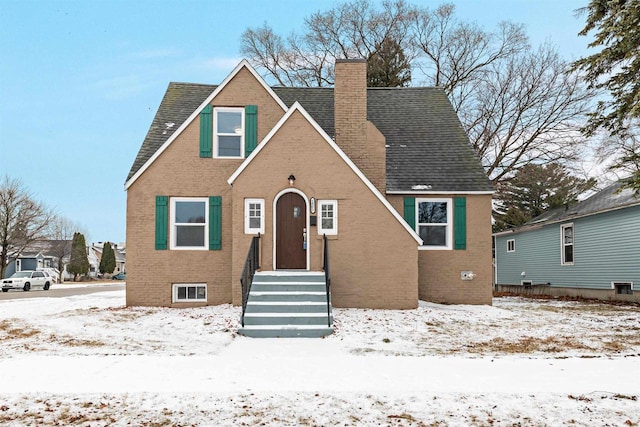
x: 426, y: 144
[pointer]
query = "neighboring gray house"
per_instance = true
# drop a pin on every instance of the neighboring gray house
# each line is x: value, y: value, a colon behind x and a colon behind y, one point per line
x: 590, y: 250
x: 41, y: 255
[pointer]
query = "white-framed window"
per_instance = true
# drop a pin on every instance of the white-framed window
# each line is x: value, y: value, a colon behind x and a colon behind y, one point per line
x: 254, y: 216
x: 188, y: 292
x: 434, y: 223
x: 228, y: 132
x: 189, y: 223
x: 511, y: 245
x: 622, y: 288
x: 566, y: 249
x: 328, y: 217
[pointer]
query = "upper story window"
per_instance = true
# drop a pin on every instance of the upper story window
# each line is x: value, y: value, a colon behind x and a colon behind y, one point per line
x: 566, y: 233
x: 254, y: 216
x: 511, y: 245
x: 328, y: 221
x: 189, y: 222
x: 434, y: 223
x: 228, y: 132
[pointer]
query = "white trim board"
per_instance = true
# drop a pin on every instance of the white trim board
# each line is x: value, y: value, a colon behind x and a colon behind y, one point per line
x: 297, y: 107
x: 438, y: 193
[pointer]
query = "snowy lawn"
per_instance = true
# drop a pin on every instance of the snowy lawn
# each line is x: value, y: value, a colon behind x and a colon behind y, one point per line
x: 88, y: 360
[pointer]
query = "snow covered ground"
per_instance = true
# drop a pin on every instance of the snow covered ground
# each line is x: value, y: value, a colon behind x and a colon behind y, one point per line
x: 88, y: 360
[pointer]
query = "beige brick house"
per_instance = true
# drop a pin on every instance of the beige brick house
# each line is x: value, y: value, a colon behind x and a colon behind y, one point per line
x: 385, y: 175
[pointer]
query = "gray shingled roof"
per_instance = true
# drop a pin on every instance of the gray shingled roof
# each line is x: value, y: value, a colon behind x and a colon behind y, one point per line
x: 610, y: 198
x: 426, y: 145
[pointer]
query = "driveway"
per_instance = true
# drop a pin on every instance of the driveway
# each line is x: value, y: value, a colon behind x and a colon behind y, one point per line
x: 64, y: 290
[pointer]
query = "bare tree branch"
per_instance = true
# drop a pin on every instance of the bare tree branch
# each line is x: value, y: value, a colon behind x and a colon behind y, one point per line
x: 22, y: 220
x: 517, y: 104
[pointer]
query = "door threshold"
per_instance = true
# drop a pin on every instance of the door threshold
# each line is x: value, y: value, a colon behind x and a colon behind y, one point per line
x: 290, y: 272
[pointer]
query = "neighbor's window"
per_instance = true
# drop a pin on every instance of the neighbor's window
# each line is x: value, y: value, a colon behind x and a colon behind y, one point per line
x: 254, y: 216
x: 228, y: 131
x: 434, y: 222
x: 623, y: 288
x: 189, y: 292
x: 328, y: 221
x: 189, y: 223
x: 567, y: 244
x: 511, y: 245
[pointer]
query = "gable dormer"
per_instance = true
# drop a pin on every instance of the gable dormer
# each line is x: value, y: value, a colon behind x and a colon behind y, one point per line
x: 233, y: 117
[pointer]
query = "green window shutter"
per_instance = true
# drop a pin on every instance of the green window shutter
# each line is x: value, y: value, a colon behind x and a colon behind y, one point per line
x: 250, y: 129
x: 162, y: 217
x: 206, y: 131
x: 460, y: 223
x: 215, y: 223
x: 410, y: 211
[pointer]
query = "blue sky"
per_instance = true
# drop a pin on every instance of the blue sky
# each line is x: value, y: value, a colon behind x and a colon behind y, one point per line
x: 80, y: 81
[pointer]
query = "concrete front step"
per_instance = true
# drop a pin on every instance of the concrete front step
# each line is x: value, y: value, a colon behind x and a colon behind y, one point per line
x: 286, y: 307
x: 288, y: 277
x: 266, y: 319
x: 287, y: 304
x: 289, y: 296
x: 285, y: 331
x: 286, y: 287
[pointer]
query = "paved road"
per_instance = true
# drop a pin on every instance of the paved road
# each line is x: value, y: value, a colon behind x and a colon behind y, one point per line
x: 62, y: 292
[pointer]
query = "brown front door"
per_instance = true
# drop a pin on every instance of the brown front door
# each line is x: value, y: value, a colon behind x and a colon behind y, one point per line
x: 291, y: 220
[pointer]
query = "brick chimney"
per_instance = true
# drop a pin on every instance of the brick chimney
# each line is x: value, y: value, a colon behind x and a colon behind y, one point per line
x: 357, y: 137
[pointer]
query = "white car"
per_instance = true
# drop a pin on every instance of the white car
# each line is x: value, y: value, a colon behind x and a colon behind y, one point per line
x: 27, y: 280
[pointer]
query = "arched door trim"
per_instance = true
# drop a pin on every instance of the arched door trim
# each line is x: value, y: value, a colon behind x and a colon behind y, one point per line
x: 275, y: 219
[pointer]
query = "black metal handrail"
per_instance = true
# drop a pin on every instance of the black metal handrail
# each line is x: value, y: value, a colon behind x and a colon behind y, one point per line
x: 251, y: 264
x: 327, y: 277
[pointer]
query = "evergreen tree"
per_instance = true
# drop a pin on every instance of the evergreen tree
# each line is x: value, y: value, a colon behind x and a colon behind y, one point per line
x: 616, y: 66
x: 615, y: 69
x: 387, y: 66
x: 79, y: 263
x: 534, y: 190
x: 108, y: 260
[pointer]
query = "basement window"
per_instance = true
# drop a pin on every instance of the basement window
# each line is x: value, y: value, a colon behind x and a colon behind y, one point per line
x: 623, y: 288
x: 189, y: 292
x: 526, y: 283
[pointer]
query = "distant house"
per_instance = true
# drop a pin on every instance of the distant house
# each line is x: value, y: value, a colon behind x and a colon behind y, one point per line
x: 118, y: 251
x: 43, y: 255
x: 590, y: 250
x: 93, y: 257
x: 383, y: 180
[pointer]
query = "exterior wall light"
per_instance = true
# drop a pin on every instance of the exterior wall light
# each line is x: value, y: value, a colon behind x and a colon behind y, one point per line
x: 292, y: 179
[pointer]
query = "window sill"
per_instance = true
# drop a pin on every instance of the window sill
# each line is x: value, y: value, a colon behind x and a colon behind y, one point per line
x: 191, y: 301
x: 434, y: 248
x: 178, y: 248
x: 329, y: 236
